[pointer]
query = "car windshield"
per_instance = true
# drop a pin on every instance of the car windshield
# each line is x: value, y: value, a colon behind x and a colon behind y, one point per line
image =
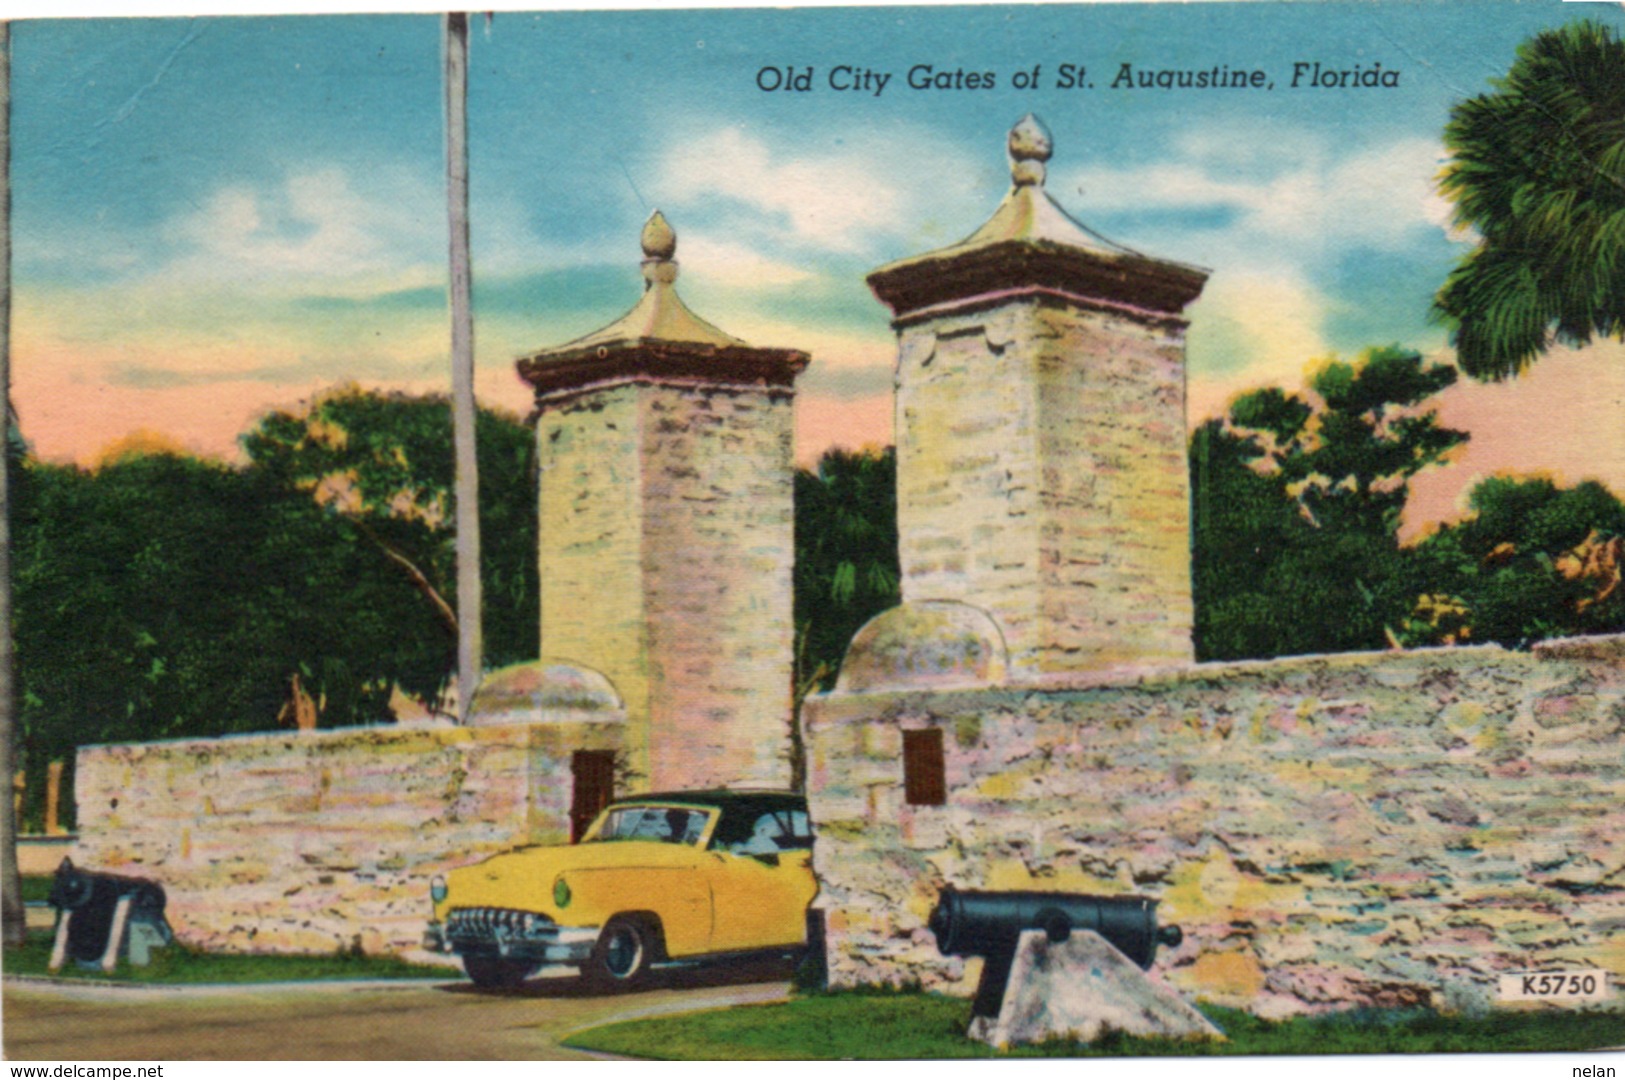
x: 665, y: 824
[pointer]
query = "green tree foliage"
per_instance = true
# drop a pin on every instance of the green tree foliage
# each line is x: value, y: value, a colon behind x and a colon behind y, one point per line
x: 163, y: 596
x: 846, y: 556
x: 1533, y: 561
x: 381, y: 463
x: 846, y: 569
x: 1297, y: 504
x: 1539, y: 171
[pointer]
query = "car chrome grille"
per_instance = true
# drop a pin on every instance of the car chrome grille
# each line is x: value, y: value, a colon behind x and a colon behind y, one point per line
x: 487, y: 923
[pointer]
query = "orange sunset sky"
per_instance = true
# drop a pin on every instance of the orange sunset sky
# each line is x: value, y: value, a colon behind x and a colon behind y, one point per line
x: 216, y: 217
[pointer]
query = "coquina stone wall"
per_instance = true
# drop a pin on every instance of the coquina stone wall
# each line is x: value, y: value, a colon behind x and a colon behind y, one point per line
x: 325, y: 840
x: 666, y: 552
x: 719, y: 548
x: 591, y: 542
x: 1041, y: 456
x: 1378, y: 829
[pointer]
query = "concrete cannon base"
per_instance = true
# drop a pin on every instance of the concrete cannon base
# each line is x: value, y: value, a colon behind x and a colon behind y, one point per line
x: 1081, y: 988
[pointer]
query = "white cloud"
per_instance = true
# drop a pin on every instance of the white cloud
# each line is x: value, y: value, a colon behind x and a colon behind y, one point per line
x: 1267, y: 208
x: 1252, y: 328
x: 734, y: 265
x: 830, y: 201
x: 1300, y: 192
x: 839, y: 196
x: 318, y: 229
x: 1441, y: 212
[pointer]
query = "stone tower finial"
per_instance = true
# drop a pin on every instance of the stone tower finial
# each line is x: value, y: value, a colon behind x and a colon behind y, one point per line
x: 659, y: 241
x: 1029, y: 148
x: 659, y: 238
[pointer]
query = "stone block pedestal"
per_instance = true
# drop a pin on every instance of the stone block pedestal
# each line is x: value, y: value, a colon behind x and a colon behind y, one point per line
x: 1081, y: 988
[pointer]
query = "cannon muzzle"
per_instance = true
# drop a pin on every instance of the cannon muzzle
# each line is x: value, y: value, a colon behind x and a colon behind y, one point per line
x: 73, y: 888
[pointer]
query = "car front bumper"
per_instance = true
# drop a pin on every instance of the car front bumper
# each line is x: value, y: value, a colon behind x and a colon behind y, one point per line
x: 540, y: 943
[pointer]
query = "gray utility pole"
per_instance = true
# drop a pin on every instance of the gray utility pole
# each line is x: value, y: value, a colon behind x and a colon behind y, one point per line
x: 470, y: 649
x: 13, y: 922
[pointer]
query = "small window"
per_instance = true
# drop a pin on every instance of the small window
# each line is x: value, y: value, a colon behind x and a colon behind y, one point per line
x: 924, y: 779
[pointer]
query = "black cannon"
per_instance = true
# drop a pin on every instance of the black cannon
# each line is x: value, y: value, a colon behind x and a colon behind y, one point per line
x: 989, y: 924
x: 87, y: 906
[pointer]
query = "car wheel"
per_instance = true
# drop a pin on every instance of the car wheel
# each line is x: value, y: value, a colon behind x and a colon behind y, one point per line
x: 621, y: 959
x: 495, y: 973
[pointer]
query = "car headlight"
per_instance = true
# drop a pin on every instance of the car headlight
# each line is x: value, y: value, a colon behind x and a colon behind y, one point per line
x: 437, y: 889
x: 561, y: 892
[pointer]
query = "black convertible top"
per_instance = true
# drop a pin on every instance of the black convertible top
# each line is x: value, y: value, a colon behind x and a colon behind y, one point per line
x: 740, y: 808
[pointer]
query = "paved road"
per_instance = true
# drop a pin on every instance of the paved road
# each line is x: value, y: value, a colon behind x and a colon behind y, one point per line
x: 419, y: 1020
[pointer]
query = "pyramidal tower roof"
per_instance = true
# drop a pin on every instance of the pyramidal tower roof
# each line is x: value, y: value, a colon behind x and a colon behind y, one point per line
x: 660, y: 315
x: 660, y: 336
x: 1028, y: 213
x: 1031, y: 243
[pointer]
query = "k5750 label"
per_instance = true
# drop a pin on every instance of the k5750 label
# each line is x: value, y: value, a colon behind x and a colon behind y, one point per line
x: 1555, y: 986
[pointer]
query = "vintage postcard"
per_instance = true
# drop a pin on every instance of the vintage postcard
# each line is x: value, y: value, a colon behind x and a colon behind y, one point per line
x: 1086, y: 530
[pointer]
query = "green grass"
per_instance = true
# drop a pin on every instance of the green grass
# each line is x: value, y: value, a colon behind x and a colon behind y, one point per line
x: 872, y: 1024
x: 36, y: 887
x: 177, y: 965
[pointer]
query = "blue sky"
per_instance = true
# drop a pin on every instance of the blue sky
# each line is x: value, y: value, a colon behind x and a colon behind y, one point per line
x: 215, y: 216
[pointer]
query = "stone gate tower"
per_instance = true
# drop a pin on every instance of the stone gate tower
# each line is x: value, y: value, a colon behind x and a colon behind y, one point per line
x: 1041, y: 446
x: 666, y: 542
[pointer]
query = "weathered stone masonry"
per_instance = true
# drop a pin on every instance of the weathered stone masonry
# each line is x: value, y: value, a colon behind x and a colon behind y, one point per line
x: 646, y: 493
x: 1328, y: 831
x: 317, y: 841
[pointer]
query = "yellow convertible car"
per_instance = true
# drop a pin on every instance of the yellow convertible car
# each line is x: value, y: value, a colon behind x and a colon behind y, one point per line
x: 655, y: 878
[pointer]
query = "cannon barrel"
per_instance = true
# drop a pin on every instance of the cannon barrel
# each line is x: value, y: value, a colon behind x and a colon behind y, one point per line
x: 73, y: 888
x: 92, y: 898
x: 990, y: 925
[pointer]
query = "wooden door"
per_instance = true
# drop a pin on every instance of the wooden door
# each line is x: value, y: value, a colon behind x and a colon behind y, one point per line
x: 593, y: 772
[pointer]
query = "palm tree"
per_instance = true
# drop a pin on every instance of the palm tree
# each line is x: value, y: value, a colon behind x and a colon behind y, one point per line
x: 846, y: 568
x: 1539, y: 172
